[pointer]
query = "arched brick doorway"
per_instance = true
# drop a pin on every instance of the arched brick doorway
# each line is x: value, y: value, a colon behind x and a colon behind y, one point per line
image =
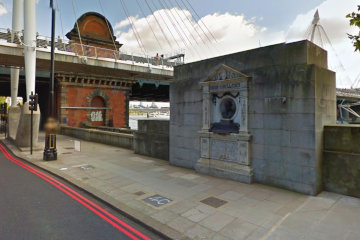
x: 97, y: 115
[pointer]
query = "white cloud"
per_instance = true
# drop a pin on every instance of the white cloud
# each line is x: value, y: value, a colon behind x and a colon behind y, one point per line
x: 232, y: 32
x: 3, y: 9
x: 236, y: 32
x: 126, y: 22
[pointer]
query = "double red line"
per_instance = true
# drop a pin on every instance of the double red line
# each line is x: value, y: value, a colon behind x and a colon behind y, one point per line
x: 129, y: 231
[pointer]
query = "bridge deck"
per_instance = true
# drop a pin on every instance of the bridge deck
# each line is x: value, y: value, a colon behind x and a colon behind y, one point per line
x: 13, y: 55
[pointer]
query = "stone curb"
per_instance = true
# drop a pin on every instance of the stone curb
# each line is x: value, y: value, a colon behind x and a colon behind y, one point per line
x: 134, y: 215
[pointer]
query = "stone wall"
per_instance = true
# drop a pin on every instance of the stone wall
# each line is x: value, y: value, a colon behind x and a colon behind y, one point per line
x: 152, y: 138
x: 341, y: 165
x: 291, y: 97
x: 122, y: 140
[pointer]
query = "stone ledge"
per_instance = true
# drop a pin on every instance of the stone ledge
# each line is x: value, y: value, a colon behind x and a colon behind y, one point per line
x: 122, y: 140
x: 228, y: 170
x: 241, y: 136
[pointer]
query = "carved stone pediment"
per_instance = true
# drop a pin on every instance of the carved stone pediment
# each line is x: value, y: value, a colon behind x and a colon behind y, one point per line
x: 224, y: 72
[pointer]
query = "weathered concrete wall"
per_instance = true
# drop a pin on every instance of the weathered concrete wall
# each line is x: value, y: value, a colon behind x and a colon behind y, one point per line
x: 23, y: 137
x: 291, y: 96
x: 14, y: 119
x: 110, y: 138
x: 341, y: 165
x: 152, y: 138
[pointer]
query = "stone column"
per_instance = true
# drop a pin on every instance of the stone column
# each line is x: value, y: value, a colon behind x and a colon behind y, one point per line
x: 16, y: 28
x: 30, y: 45
x: 206, y: 108
x: 23, y: 133
x: 14, y: 110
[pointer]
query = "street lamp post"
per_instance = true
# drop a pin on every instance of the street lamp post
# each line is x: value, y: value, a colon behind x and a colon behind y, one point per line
x: 50, y: 152
x: 52, y: 58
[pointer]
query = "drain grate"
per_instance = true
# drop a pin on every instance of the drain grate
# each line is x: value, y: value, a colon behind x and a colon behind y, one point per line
x: 86, y: 167
x: 214, y: 202
x: 68, y: 148
x: 67, y: 153
x: 139, y: 193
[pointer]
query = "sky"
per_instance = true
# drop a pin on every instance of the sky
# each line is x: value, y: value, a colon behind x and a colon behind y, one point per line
x: 234, y: 25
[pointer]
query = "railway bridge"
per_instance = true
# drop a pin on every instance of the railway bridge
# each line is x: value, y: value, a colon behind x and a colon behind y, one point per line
x: 95, y: 80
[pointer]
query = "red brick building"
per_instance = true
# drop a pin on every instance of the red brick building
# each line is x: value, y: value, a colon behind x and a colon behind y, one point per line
x: 90, y: 99
x: 95, y: 30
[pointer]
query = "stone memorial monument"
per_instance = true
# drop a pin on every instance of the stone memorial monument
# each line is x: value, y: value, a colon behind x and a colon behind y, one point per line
x: 224, y: 137
x: 255, y: 116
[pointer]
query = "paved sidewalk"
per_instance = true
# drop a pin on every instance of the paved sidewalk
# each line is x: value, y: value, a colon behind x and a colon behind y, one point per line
x: 231, y: 210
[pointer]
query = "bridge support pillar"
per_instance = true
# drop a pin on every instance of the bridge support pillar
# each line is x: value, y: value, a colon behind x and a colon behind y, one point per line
x: 30, y: 45
x: 24, y: 129
x: 13, y: 121
x: 16, y: 28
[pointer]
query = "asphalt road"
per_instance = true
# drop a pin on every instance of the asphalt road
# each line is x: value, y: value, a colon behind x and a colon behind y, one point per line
x: 35, y: 205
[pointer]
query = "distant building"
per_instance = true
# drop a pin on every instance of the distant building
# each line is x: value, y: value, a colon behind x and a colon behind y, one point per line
x: 153, y: 105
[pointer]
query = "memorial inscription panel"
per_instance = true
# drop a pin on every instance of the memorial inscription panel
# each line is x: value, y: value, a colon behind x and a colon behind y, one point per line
x: 224, y: 138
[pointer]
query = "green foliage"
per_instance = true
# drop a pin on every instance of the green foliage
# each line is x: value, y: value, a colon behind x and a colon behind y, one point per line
x: 355, y: 21
x: 2, y: 100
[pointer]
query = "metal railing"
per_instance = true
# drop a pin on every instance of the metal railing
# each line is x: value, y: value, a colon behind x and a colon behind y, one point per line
x: 78, y: 49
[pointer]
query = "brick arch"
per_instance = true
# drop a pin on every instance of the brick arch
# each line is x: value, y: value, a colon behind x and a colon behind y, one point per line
x: 105, y: 97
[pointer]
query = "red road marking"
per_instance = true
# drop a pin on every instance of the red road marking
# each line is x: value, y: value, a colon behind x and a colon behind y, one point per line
x: 78, y: 197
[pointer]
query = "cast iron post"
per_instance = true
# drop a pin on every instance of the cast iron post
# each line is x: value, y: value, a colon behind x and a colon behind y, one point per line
x: 50, y: 152
x: 52, y: 58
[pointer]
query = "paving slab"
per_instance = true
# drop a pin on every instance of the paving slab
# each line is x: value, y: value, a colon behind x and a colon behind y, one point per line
x: 217, y: 221
x: 249, y: 212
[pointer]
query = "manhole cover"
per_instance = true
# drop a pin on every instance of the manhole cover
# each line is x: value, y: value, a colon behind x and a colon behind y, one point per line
x: 86, y: 167
x: 139, y: 193
x: 157, y: 200
x: 67, y: 153
x: 213, y: 202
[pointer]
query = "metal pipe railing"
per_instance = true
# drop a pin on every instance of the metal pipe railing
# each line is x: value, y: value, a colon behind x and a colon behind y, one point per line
x: 89, y: 50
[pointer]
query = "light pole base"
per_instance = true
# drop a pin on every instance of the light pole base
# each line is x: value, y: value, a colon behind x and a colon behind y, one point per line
x: 50, y: 152
x: 50, y: 155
